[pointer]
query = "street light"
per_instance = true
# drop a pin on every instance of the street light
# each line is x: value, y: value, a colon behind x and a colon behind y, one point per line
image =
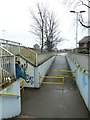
x: 77, y: 24
x: 3, y: 34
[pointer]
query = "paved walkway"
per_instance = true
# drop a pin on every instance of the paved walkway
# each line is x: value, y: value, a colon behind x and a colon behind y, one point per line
x: 50, y: 102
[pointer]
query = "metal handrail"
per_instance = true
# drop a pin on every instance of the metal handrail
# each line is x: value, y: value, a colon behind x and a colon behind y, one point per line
x: 7, y: 64
x: 11, y: 95
x: 6, y: 50
x: 3, y: 41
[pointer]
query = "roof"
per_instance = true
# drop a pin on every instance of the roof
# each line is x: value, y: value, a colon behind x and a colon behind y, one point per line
x: 85, y: 39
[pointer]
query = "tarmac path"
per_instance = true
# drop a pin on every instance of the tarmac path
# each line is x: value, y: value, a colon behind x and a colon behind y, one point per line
x: 51, y: 102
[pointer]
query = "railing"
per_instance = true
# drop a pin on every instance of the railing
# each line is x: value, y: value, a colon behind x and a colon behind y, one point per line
x: 10, y: 95
x: 13, y: 47
x: 19, y: 49
x: 7, y: 66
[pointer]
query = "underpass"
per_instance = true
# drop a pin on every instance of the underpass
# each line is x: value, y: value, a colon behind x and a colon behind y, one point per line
x: 49, y: 101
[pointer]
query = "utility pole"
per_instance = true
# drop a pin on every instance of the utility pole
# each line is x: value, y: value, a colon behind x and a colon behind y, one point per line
x: 3, y: 34
x: 77, y: 25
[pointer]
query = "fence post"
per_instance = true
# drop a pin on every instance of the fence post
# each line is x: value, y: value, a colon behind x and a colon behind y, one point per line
x: 19, y: 48
x: 7, y: 44
x: 36, y: 59
x: 14, y: 67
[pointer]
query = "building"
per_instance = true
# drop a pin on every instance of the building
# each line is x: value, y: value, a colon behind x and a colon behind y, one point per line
x: 84, y: 43
x: 36, y: 46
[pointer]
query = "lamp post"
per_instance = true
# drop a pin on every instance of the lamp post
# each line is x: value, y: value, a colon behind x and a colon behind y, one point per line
x: 3, y: 34
x: 77, y: 24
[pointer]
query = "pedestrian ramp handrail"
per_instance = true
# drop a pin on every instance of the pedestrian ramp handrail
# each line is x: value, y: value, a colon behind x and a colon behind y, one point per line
x: 17, y: 48
x: 7, y: 65
x: 13, y: 47
x: 65, y: 73
x: 61, y: 82
x: 9, y: 95
x: 22, y: 86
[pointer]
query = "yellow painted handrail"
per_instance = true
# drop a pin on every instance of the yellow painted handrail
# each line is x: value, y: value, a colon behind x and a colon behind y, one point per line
x: 65, y: 71
x: 22, y: 86
x: 67, y: 76
x: 51, y: 76
x: 54, y: 83
x: 11, y: 95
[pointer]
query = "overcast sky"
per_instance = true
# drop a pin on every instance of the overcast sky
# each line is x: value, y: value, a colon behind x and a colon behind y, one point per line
x: 15, y: 19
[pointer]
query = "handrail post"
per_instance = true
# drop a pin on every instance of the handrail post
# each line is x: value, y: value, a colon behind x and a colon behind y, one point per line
x: 36, y: 59
x: 19, y: 48
x: 14, y: 67
x: 7, y: 44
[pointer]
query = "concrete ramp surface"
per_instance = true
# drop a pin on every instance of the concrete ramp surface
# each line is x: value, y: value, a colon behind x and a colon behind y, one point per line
x: 50, y: 101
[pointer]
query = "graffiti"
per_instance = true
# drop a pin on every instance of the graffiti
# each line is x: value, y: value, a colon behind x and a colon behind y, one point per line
x: 84, y: 80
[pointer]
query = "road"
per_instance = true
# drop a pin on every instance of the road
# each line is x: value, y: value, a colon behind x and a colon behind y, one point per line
x: 51, y: 102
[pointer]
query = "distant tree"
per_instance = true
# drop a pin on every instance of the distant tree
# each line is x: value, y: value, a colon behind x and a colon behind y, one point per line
x: 46, y: 28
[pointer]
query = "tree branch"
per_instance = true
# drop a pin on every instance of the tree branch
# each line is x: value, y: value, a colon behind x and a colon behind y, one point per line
x: 83, y: 24
x: 85, y: 4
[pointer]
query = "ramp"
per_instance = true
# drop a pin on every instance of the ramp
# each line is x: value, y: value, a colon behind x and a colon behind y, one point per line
x: 50, y: 102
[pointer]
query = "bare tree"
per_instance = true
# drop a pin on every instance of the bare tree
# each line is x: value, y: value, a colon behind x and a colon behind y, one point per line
x: 51, y: 31
x: 81, y: 19
x: 46, y: 28
x: 38, y: 26
x: 83, y: 23
x: 78, y: 3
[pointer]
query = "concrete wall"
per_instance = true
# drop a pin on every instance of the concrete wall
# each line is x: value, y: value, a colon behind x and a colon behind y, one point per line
x: 42, y: 70
x: 82, y: 59
x: 10, y: 106
x: 29, y: 71
x: 34, y: 71
x: 43, y: 57
x: 82, y: 80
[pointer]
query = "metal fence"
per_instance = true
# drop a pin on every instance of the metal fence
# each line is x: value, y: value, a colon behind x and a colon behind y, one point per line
x: 19, y: 49
x: 7, y: 66
x: 13, y: 47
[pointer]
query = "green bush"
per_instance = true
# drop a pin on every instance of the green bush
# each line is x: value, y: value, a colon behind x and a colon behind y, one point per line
x: 83, y: 51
